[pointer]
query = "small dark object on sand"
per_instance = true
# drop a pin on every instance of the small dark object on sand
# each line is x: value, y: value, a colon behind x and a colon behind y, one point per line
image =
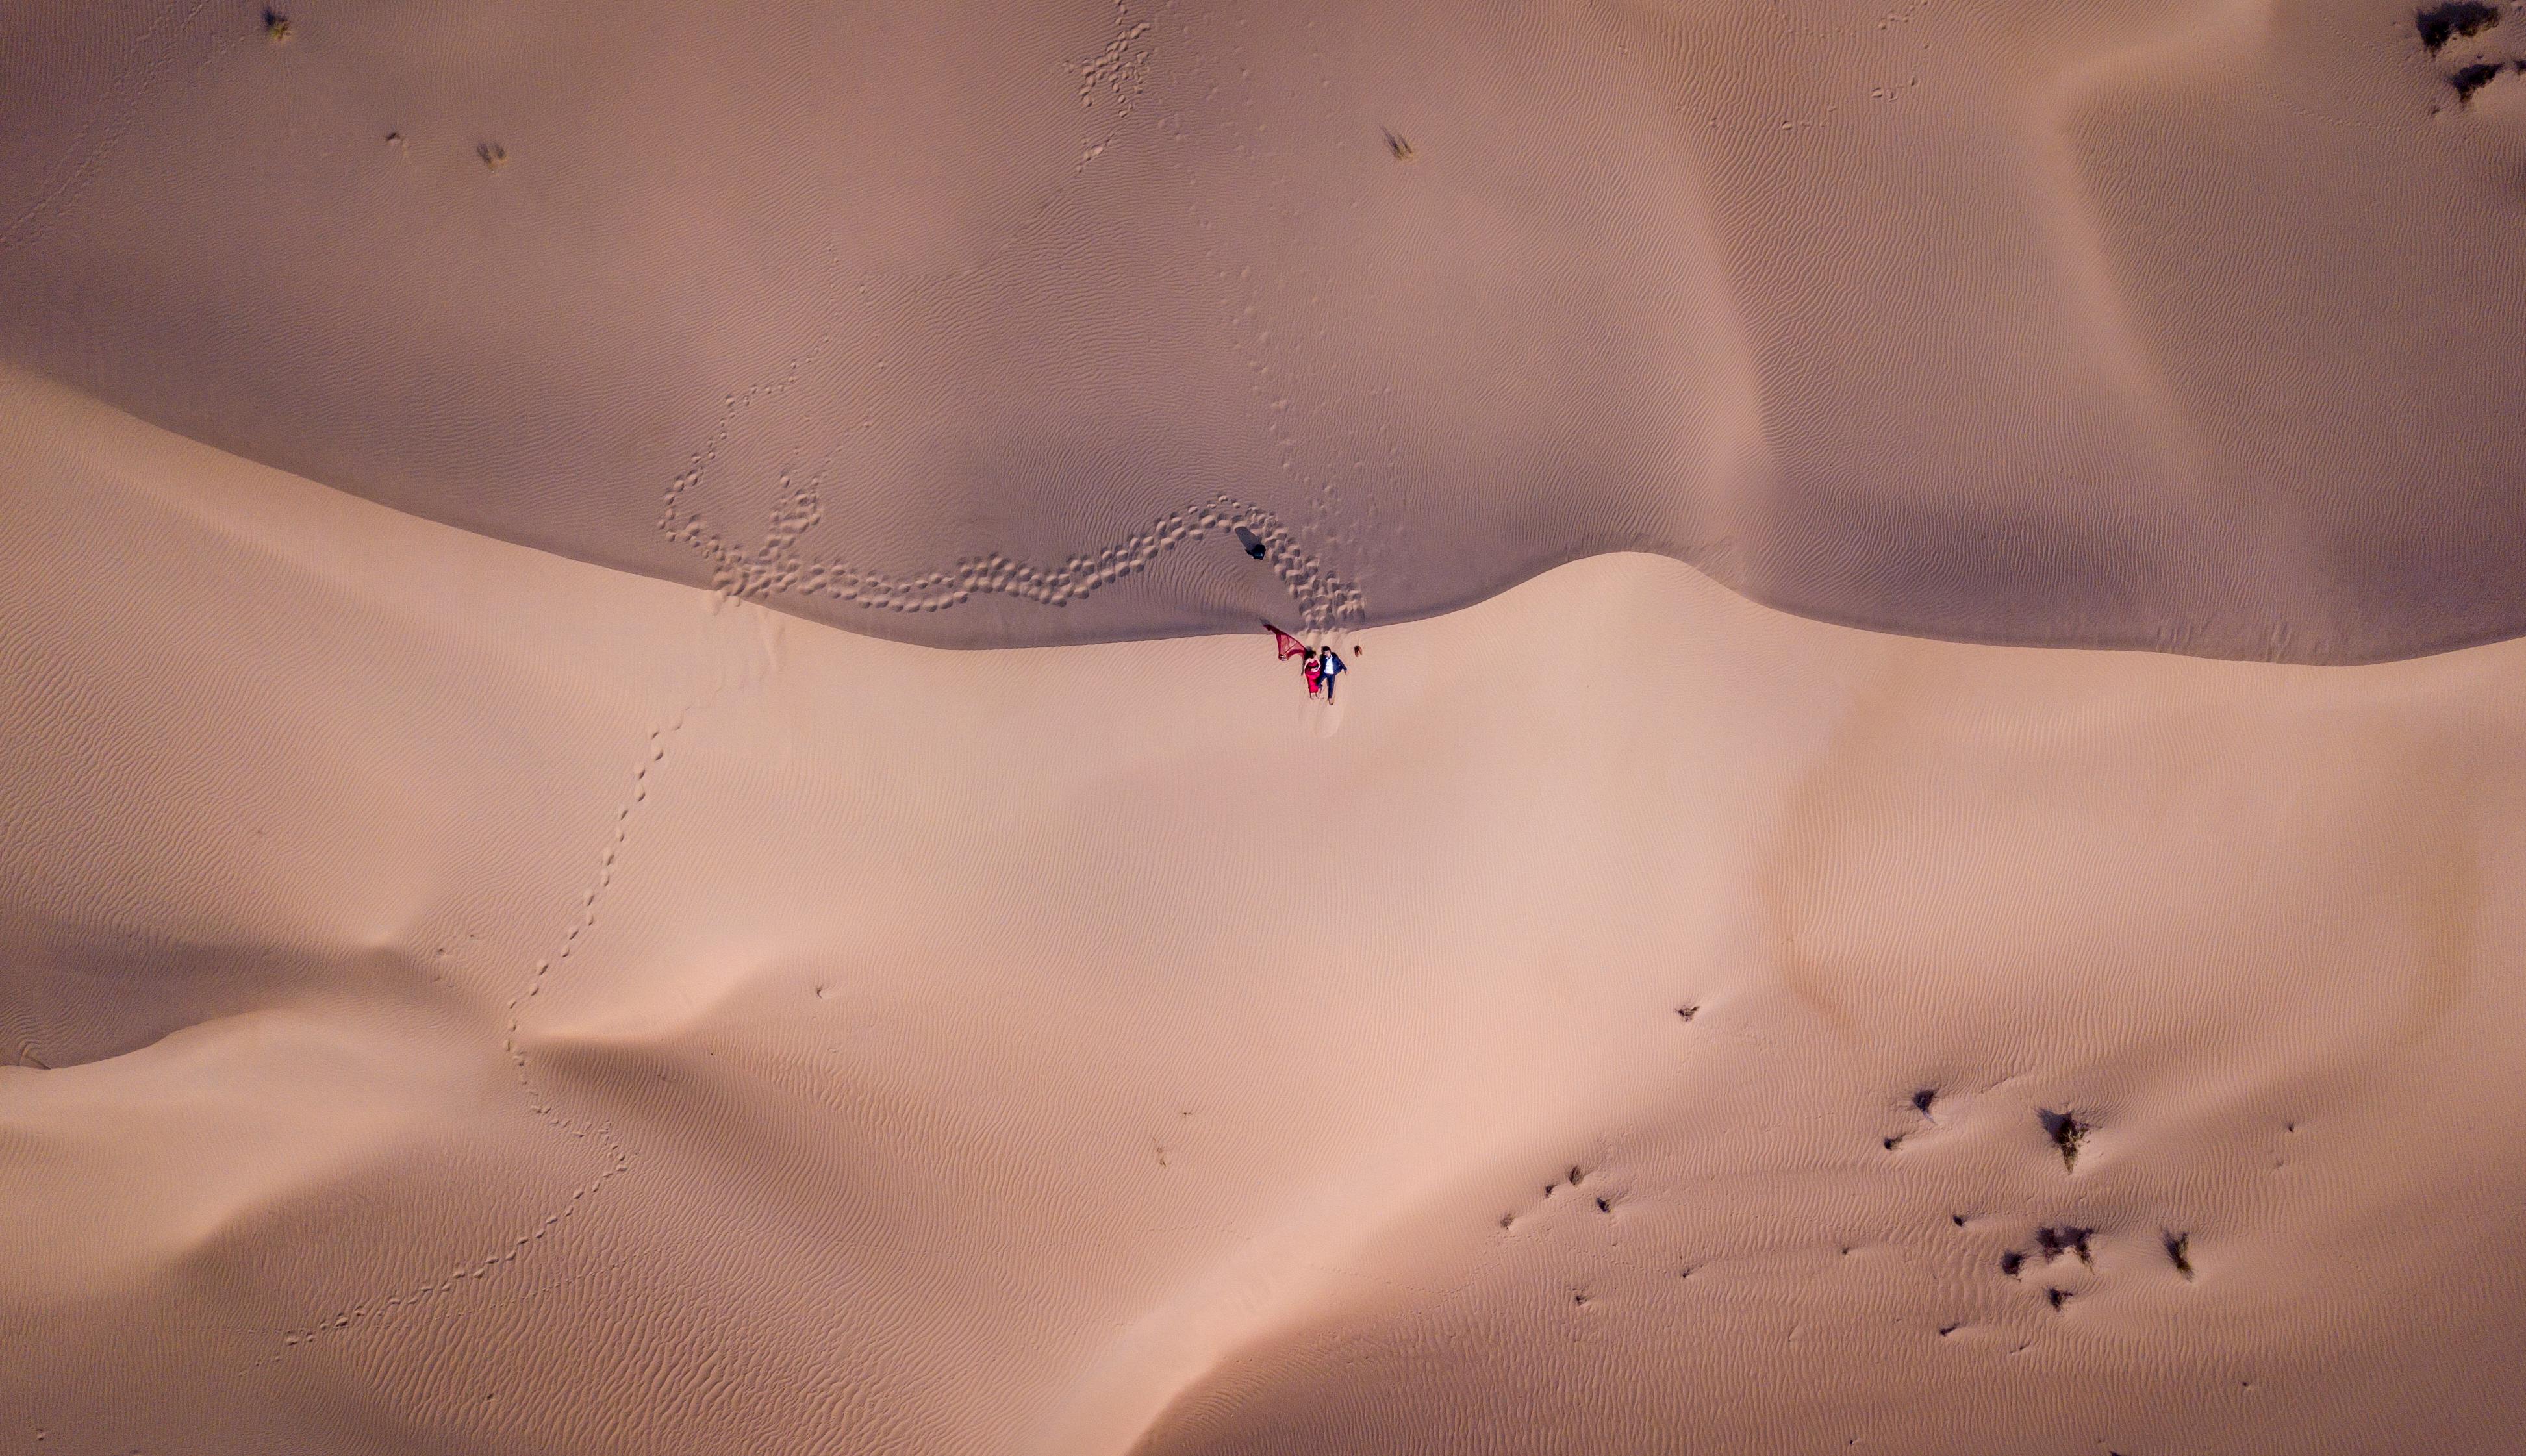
x: 2067, y: 1132
x: 275, y: 27
x: 2179, y: 1252
x: 1252, y: 543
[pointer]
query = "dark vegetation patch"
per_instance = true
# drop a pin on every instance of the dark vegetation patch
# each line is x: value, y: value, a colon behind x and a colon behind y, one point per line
x: 2067, y: 1132
x: 2441, y: 23
x: 2472, y: 79
x: 2179, y: 1252
x: 2065, y: 1238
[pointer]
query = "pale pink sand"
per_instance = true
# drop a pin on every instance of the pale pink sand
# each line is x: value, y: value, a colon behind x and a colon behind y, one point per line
x: 2189, y: 324
x: 465, y: 1000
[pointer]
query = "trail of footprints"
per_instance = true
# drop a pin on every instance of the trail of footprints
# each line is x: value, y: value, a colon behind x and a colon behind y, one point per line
x: 2456, y: 34
x: 777, y: 566
x: 148, y: 61
x: 774, y: 565
x: 616, y: 1157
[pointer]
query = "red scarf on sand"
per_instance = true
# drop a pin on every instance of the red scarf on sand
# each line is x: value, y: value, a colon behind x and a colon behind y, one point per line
x: 1289, y: 646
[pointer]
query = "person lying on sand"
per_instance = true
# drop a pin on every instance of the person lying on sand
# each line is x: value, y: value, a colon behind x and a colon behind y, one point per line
x: 1327, y: 666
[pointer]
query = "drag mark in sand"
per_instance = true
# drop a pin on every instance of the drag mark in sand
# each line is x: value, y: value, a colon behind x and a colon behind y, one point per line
x: 616, y: 1159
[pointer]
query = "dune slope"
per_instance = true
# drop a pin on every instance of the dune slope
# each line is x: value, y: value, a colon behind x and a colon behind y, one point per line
x: 459, y: 999
x: 2180, y: 325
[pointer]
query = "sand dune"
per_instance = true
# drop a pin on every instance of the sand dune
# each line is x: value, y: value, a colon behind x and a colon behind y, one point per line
x: 2188, y: 327
x: 462, y: 999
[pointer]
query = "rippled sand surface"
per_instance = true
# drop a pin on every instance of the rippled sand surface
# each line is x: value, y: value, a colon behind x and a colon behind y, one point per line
x: 457, y: 999
x: 2182, y: 326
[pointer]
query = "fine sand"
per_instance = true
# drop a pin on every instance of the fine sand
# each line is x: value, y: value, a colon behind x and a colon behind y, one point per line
x: 457, y: 999
x: 2189, y: 324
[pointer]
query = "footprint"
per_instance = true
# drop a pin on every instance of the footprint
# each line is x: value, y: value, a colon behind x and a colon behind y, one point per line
x: 617, y: 1157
